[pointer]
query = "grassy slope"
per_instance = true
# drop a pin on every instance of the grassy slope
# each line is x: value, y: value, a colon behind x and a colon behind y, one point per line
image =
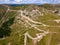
x: 19, y: 29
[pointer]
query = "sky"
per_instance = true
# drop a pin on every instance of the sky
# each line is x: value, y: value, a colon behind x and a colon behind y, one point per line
x: 29, y: 1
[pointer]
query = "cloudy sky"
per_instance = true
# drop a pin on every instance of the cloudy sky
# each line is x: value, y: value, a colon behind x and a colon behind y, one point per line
x: 28, y: 1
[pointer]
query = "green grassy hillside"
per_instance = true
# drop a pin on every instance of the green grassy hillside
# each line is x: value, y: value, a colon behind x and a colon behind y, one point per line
x: 17, y: 20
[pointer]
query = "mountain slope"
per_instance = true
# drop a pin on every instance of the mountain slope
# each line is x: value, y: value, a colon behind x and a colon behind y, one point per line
x: 30, y: 25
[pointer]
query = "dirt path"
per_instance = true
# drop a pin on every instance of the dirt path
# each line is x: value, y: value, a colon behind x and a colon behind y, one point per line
x: 9, y: 43
x: 39, y: 36
x: 3, y: 18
